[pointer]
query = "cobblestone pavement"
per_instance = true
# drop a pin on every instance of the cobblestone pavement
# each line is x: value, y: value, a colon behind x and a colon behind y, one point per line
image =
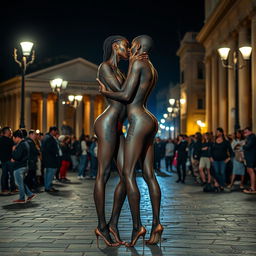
x: 196, y: 223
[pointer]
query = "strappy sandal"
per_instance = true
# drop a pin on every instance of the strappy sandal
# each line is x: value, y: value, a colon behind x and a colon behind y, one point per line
x: 249, y: 191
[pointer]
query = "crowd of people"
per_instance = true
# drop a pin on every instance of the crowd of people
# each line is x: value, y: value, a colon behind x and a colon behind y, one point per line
x: 31, y: 160
x: 215, y: 161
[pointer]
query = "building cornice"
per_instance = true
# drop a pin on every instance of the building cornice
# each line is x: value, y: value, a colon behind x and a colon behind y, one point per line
x: 215, y: 18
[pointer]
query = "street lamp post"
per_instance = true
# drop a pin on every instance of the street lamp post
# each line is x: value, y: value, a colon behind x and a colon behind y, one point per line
x: 57, y: 85
x: 24, y: 63
x: 175, y: 109
x: 245, y: 52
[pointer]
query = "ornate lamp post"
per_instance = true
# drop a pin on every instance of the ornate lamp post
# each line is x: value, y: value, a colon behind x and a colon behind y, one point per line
x: 175, y: 108
x: 24, y: 63
x: 75, y: 100
x: 245, y: 52
x: 57, y: 85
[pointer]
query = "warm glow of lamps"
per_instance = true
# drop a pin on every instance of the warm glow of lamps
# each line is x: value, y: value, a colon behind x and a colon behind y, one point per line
x: 246, y: 52
x: 26, y: 48
x: 71, y: 97
x: 56, y: 83
x: 165, y: 115
x: 223, y: 52
x: 169, y: 109
x: 78, y: 97
x: 182, y: 101
x: 172, y: 101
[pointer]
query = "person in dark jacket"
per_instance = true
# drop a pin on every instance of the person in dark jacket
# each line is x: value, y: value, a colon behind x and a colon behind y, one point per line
x: 6, y: 144
x: 30, y: 179
x: 221, y: 153
x: 250, y: 157
x: 19, y: 160
x: 159, y: 151
x: 181, y: 149
x: 94, y: 161
x: 50, y: 158
x: 196, y: 155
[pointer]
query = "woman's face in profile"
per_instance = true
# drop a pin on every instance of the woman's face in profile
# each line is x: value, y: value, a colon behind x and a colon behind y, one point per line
x: 123, y: 49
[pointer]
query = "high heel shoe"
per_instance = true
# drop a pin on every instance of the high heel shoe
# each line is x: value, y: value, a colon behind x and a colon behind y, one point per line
x: 155, y: 235
x: 116, y: 236
x: 99, y: 233
x: 142, y: 232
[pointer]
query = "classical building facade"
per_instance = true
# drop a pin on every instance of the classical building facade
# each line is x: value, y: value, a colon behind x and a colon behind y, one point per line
x: 192, y: 84
x: 231, y: 23
x: 41, y: 102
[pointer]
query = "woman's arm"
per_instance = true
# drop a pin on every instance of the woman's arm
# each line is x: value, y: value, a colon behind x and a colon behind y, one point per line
x: 129, y: 86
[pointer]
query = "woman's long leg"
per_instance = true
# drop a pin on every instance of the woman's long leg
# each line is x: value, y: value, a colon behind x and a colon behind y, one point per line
x: 153, y: 186
x: 105, y: 155
x: 120, y: 191
x: 133, y: 149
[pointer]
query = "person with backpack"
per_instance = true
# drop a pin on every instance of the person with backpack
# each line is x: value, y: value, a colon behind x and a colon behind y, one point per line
x: 19, y: 160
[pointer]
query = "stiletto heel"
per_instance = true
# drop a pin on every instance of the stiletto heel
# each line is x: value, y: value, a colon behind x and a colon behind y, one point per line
x: 116, y: 236
x: 142, y: 232
x: 99, y: 233
x: 156, y: 235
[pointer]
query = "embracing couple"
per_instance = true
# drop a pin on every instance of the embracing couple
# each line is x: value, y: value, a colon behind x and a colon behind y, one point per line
x: 127, y: 98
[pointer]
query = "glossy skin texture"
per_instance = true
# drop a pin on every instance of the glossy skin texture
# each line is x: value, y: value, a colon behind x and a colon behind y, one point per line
x: 108, y: 128
x: 141, y: 79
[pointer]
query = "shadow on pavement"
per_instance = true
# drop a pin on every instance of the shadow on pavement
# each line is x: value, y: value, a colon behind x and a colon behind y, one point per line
x: 64, y: 193
x: 155, y: 250
x: 15, y: 207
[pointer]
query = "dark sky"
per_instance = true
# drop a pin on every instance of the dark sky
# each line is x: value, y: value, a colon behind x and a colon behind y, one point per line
x: 77, y: 29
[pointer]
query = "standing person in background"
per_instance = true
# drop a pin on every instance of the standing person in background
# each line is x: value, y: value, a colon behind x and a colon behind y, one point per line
x: 50, y: 157
x: 221, y: 152
x: 196, y: 155
x: 74, y: 153
x: 59, y: 139
x: 159, y: 152
x: 94, y: 161
x: 20, y: 157
x: 238, y: 159
x: 169, y: 154
x: 205, y: 162
x: 181, y: 149
x: 250, y: 158
x: 83, y: 156
x: 65, y: 158
x: 30, y: 179
x: 6, y: 144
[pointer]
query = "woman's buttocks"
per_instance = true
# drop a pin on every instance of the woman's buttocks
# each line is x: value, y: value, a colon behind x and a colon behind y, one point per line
x: 142, y: 119
x: 107, y: 122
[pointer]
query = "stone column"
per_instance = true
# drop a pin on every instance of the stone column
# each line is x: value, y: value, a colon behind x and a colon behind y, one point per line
x: 79, y: 120
x: 17, y: 124
x: 91, y: 114
x: 215, y: 102
x: 44, y: 114
x: 12, y: 111
x: 28, y: 110
x: 244, y: 84
x: 61, y: 112
x: 222, y: 96
x: 253, y: 71
x: 208, y: 93
x: 231, y: 90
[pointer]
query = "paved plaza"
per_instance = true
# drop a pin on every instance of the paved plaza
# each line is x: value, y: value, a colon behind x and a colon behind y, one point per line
x: 196, y: 223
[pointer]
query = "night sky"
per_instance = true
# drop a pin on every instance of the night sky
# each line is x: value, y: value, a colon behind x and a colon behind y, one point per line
x: 65, y: 30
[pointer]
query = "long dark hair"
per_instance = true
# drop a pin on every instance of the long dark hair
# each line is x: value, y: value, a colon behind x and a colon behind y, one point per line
x: 107, y: 45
